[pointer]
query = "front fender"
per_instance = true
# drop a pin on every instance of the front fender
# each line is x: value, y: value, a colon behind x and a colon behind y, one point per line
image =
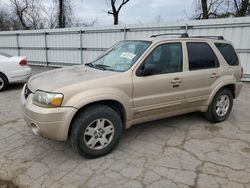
x: 100, y: 94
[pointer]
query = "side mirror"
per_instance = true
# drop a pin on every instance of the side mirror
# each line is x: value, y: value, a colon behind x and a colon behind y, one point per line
x: 146, y: 70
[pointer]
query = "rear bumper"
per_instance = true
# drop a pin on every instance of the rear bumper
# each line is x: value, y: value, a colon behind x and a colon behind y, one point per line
x: 52, y: 123
x: 238, y: 87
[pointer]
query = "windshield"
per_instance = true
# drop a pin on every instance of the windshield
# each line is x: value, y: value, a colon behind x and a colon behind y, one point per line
x: 121, y: 56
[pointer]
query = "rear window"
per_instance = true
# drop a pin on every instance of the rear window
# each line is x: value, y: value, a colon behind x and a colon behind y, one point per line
x: 4, y: 55
x: 228, y: 53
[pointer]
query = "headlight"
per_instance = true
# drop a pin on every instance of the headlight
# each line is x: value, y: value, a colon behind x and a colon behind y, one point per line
x: 47, y: 99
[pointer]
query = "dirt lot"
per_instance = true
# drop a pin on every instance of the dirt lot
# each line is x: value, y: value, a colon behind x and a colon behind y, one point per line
x: 185, y: 151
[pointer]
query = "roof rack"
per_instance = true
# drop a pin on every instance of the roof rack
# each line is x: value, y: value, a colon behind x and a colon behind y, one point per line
x: 185, y: 35
x: 216, y: 37
x: 163, y: 34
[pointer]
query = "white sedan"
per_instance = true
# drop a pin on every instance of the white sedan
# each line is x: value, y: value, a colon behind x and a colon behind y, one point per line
x: 13, y: 70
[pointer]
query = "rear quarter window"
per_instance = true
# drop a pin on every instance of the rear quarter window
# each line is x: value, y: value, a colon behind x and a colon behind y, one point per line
x: 228, y: 53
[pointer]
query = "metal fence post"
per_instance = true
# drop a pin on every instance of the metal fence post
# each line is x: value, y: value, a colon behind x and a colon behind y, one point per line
x: 17, y: 44
x: 125, y: 33
x: 186, y: 28
x: 46, y: 48
x: 81, y: 52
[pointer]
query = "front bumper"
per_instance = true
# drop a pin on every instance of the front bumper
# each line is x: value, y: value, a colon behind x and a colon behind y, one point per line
x: 52, y: 123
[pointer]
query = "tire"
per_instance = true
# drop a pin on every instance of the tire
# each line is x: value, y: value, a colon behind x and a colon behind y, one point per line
x: 89, y: 130
x: 218, y: 110
x: 3, y: 82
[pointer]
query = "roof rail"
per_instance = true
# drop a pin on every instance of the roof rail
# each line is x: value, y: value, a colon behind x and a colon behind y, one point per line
x: 216, y: 37
x: 163, y: 34
x: 185, y: 35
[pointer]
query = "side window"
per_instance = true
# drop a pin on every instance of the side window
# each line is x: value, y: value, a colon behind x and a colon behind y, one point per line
x: 228, y: 53
x: 201, y: 56
x: 165, y: 58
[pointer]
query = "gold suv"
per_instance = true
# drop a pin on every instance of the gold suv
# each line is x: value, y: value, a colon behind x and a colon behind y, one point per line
x: 135, y: 81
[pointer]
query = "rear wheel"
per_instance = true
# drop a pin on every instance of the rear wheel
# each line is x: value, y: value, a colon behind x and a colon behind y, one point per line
x: 221, y: 106
x: 96, y: 131
x: 3, y: 82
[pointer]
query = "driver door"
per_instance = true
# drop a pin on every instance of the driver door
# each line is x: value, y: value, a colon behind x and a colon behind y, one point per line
x: 161, y: 91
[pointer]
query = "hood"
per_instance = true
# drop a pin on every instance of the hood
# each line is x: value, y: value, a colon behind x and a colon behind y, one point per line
x: 58, y: 78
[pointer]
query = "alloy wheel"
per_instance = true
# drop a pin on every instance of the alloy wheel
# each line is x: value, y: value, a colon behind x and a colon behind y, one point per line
x: 99, y: 134
x: 222, y: 105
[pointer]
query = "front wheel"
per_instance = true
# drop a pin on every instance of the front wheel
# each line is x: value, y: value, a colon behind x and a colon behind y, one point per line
x: 221, y: 106
x: 96, y: 131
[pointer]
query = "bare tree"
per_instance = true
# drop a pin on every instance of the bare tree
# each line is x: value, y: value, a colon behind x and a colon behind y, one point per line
x: 4, y: 18
x: 61, y: 14
x: 204, y: 9
x: 240, y: 7
x: 207, y: 9
x: 4, y: 22
x: 28, y: 13
x: 20, y: 9
x: 78, y: 22
x: 158, y: 19
x: 116, y: 10
x: 248, y: 9
x: 51, y: 16
x: 8, y: 19
x: 64, y: 13
x: 32, y: 14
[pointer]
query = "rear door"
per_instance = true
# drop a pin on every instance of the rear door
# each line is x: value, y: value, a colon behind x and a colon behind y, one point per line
x: 203, y: 71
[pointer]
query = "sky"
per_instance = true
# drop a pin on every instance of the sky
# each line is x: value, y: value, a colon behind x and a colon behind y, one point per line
x: 134, y: 12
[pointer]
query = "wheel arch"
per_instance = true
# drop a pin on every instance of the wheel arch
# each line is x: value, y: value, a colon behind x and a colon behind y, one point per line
x: 114, y: 104
x: 1, y: 73
x: 230, y: 86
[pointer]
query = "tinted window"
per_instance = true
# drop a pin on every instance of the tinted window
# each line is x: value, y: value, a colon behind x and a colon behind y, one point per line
x: 201, y: 56
x: 166, y: 58
x: 228, y: 53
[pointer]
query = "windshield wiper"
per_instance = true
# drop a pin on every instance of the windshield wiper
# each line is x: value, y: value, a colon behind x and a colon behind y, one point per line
x: 89, y: 64
x: 104, y: 67
x: 98, y: 66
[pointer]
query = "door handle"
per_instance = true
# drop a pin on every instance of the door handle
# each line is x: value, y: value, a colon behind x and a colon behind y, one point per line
x: 214, y: 75
x: 176, y: 81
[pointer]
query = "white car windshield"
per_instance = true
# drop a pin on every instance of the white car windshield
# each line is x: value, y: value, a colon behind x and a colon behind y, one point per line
x: 121, y: 56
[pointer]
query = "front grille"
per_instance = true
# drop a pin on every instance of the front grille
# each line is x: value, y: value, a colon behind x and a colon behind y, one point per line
x: 27, y: 92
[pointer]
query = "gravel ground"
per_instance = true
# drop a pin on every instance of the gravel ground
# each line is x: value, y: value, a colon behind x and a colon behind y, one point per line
x: 185, y: 151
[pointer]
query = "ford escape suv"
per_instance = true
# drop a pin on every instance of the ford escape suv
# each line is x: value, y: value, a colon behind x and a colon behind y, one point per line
x: 134, y: 81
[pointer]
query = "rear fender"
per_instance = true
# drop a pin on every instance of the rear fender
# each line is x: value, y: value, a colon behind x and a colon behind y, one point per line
x: 222, y: 84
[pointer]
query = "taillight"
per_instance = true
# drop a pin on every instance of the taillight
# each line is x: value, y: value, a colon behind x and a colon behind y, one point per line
x: 241, y: 73
x: 23, y: 62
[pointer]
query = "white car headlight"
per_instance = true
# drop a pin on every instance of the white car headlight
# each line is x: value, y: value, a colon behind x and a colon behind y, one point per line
x: 47, y: 99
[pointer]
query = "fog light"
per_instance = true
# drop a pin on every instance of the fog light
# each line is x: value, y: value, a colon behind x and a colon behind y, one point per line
x: 35, y: 128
